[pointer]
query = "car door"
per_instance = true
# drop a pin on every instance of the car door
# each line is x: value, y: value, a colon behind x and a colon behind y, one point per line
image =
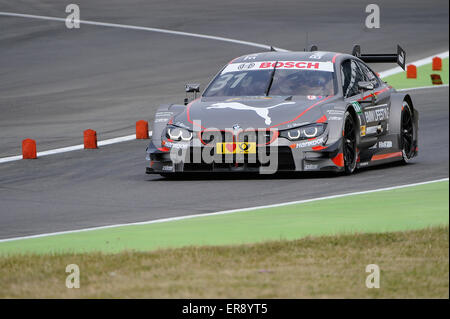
x: 372, y: 111
x: 376, y: 112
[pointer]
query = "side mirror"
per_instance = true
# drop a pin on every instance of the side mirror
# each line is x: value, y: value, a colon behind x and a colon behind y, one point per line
x: 191, y: 88
x: 366, y: 86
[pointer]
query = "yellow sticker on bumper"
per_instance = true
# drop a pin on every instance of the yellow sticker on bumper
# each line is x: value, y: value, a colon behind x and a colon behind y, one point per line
x: 236, y: 148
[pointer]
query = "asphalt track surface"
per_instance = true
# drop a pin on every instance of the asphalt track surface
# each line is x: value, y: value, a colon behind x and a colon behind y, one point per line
x: 55, y: 83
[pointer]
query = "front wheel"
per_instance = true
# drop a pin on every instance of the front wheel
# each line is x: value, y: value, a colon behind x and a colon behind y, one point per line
x: 349, y: 144
x: 407, y: 133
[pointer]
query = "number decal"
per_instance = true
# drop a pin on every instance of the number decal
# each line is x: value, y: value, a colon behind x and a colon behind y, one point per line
x: 222, y: 81
x: 238, y: 77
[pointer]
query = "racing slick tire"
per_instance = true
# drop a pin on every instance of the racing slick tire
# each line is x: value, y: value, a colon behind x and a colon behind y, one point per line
x: 407, y: 133
x: 349, y: 149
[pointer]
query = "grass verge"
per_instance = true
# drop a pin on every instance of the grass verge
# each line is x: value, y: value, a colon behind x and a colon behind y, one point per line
x: 399, y: 80
x: 413, y: 264
x: 394, y: 210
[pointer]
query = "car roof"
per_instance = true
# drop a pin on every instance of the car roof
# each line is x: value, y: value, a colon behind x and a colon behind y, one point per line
x: 321, y: 56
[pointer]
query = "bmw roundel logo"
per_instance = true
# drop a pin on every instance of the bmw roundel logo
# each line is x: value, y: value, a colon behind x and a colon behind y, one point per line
x: 236, y: 127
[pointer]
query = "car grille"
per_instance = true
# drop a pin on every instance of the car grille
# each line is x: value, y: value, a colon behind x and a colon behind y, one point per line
x: 245, y: 162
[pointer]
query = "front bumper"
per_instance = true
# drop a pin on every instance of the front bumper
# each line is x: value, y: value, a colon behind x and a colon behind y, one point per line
x: 286, y: 156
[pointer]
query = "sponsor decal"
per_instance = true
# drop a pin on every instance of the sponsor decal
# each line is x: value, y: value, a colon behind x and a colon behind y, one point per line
x: 362, y: 130
x: 335, y: 118
x: 374, y: 129
x: 322, y: 66
x: 380, y: 114
x: 161, y: 120
x: 246, y: 66
x: 295, y: 124
x: 176, y: 145
x: 335, y: 111
x: 251, y: 56
x: 317, y: 55
x: 362, y: 164
x: 385, y: 144
x: 264, y: 65
x: 357, y: 107
x: 236, y: 148
x: 167, y: 168
x: 311, y: 166
x: 261, y: 111
x: 371, y: 130
x: 310, y: 143
x: 163, y: 114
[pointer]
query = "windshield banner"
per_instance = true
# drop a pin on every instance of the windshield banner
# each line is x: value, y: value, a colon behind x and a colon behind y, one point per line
x: 265, y: 65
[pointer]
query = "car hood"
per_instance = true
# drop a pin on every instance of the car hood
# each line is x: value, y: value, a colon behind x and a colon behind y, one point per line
x: 251, y: 112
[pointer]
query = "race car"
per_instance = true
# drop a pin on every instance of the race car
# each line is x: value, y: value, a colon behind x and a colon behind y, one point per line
x: 288, y: 111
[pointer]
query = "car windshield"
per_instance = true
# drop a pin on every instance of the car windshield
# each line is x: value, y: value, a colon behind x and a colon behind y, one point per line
x: 289, y: 78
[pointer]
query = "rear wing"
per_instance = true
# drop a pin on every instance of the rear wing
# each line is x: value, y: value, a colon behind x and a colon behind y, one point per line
x: 399, y: 57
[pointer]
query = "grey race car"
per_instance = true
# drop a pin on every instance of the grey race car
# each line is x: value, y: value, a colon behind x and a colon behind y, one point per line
x: 288, y: 111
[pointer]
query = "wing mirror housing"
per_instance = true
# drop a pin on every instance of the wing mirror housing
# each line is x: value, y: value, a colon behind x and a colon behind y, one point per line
x: 191, y: 88
x: 366, y: 86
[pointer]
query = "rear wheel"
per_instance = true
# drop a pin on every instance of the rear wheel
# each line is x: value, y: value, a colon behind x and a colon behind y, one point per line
x: 349, y: 147
x: 407, y: 133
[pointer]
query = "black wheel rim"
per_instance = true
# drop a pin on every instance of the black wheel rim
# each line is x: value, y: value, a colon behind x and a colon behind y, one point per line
x: 407, y: 132
x: 349, y: 144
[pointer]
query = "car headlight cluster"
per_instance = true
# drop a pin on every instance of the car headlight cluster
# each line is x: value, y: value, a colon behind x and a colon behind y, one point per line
x: 178, y: 134
x: 304, y: 132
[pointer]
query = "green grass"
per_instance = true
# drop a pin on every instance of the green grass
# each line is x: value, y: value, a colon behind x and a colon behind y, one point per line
x: 394, y: 210
x: 413, y: 264
x: 399, y: 80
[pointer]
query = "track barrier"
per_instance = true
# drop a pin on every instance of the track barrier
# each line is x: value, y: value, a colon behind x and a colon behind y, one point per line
x: 437, y: 64
x: 29, y: 149
x: 411, y: 71
x: 90, y: 139
x: 142, y: 129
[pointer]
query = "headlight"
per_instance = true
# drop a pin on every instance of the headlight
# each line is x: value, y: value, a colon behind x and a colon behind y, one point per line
x: 178, y: 134
x: 304, y: 132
